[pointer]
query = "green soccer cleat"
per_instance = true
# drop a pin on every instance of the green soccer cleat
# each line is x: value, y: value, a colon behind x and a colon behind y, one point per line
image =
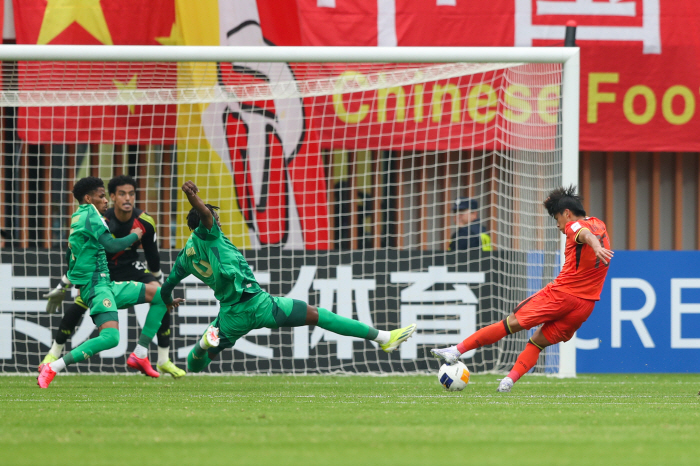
x: 397, y: 337
x: 48, y: 359
x: 169, y: 368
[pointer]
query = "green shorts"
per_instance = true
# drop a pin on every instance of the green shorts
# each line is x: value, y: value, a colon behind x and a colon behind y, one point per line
x: 260, y: 311
x: 110, y: 296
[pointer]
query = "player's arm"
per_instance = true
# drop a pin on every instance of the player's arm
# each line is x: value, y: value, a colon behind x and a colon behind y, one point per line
x: 113, y: 245
x: 150, y: 245
x: 586, y: 237
x: 177, y: 274
x: 205, y: 216
x: 97, y: 228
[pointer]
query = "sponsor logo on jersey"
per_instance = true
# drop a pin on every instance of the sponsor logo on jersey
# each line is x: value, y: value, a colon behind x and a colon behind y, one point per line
x: 106, y: 303
x: 575, y: 227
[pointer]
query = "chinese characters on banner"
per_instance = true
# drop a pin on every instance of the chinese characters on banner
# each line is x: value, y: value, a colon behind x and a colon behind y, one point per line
x: 439, y: 292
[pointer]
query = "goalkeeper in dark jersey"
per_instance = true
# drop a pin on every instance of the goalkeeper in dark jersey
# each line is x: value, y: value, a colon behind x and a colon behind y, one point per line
x: 123, y: 266
x: 211, y: 257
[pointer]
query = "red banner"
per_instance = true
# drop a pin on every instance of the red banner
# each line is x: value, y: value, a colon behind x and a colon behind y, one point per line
x: 106, y: 22
x: 446, y: 114
x: 640, y: 82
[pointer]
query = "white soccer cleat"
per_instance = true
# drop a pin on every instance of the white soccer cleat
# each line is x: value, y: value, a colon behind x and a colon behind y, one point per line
x: 505, y: 385
x: 210, y: 339
x: 450, y: 355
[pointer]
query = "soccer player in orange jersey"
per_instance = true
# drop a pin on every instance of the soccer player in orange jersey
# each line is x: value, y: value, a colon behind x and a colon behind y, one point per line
x: 564, y: 304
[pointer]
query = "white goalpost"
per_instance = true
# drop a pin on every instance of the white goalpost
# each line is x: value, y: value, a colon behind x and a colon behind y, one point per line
x: 337, y: 170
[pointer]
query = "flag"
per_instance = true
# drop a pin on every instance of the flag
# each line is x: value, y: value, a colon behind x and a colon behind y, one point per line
x: 89, y: 23
x: 260, y: 159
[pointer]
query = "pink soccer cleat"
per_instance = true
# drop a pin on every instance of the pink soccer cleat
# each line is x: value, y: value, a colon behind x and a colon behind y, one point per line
x: 142, y: 364
x: 45, y: 376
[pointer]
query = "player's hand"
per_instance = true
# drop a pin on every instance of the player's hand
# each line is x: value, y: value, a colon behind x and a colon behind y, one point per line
x: 190, y: 188
x: 604, y: 255
x: 138, y: 231
x: 176, y: 302
x: 56, y: 297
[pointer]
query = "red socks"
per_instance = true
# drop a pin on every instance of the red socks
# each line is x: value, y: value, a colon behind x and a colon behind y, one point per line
x: 485, y: 336
x: 526, y: 361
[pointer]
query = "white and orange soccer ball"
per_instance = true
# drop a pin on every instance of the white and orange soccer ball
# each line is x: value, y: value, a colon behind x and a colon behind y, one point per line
x: 454, y: 377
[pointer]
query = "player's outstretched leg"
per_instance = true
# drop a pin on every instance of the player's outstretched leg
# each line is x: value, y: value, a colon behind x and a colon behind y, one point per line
x: 199, y: 358
x: 388, y: 340
x: 526, y: 361
x: 482, y: 337
x: 65, y: 329
x: 164, y: 364
x: 139, y: 358
x: 108, y: 338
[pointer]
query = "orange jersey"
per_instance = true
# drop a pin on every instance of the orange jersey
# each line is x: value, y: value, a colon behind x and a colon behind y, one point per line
x: 583, y: 273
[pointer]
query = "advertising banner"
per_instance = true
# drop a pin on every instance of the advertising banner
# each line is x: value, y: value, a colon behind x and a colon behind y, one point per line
x: 448, y: 294
x: 639, y: 83
x: 648, y: 317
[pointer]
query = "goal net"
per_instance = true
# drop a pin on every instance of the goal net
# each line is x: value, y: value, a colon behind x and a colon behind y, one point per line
x: 341, y: 175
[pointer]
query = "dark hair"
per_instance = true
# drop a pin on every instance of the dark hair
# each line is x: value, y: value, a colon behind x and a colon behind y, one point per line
x: 193, y: 216
x: 563, y: 198
x: 85, y: 186
x: 120, y: 180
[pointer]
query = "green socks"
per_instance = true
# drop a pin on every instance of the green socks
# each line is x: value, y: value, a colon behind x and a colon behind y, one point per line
x: 153, y: 320
x: 344, y: 326
x: 198, y: 359
x: 108, y: 338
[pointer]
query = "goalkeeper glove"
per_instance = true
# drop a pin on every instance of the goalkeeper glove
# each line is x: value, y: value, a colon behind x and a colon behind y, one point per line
x: 57, y: 295
x: 159, y: 275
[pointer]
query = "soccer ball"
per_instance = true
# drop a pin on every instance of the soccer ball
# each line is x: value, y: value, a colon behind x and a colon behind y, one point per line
x: 454, y: 377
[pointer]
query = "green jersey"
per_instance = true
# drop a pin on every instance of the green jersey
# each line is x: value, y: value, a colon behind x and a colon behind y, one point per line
x: 87, y: 261
x: 211, y: 257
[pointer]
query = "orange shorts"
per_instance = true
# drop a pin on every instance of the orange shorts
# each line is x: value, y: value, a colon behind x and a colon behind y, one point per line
x: 561, y: 313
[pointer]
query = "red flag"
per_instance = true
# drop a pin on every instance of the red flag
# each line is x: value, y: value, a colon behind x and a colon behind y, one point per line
x: 95, y: 22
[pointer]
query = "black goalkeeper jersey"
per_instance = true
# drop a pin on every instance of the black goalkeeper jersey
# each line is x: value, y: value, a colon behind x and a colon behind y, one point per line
x: 130, y: 255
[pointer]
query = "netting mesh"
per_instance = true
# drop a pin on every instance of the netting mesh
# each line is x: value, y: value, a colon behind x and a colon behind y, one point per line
x: 337, y: 181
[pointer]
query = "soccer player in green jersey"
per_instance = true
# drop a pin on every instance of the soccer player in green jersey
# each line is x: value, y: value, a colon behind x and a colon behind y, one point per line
x: 88, y: 241
x: 123, y: 266
x: 211, y: 257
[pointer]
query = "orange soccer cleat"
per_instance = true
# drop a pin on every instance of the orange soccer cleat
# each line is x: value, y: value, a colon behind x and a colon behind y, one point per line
x: 142, y: 364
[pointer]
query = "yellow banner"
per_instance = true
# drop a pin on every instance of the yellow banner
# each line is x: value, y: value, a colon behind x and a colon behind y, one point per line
x: 198, y: 24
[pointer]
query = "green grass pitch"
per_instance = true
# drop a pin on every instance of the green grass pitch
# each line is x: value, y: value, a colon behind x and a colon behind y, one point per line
x: 350, y: 420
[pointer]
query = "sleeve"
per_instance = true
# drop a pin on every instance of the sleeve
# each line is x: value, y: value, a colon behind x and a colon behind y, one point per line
x: 207, y: 235
x: 149, y: 242
x: 573, y: 229
x: 113, y: 245
x: 177, y: 274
